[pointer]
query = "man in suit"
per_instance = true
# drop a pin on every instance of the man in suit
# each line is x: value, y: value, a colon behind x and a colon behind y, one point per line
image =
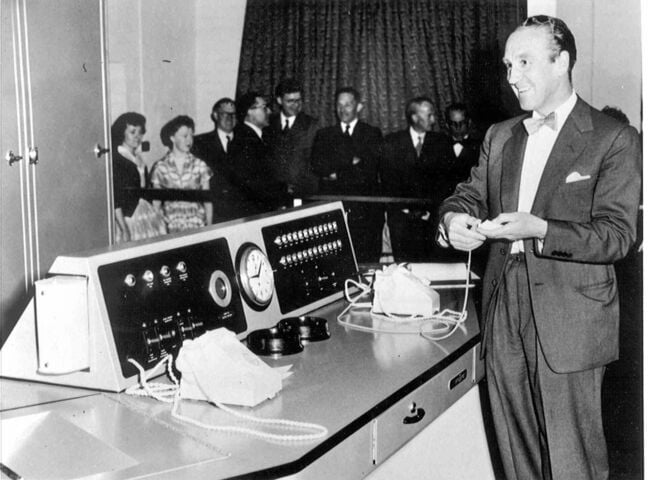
x: 414, y: 164
x: 249, y: 166
x: 214, y: 148
x: 561, y: 189
x: 345, y: 158
x: 464, y: 143
x: 290, y: 136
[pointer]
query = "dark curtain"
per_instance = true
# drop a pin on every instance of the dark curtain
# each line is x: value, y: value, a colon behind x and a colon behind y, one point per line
x: 389, y: 50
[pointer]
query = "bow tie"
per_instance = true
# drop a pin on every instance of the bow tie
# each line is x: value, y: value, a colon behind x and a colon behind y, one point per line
x: 532, y: 125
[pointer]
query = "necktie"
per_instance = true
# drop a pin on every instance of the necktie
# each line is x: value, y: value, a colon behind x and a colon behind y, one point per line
x: 347, y: 131
x: 532, y: 125
x: 419, y: 146
x: 229, y: 141
x: 286, y: 126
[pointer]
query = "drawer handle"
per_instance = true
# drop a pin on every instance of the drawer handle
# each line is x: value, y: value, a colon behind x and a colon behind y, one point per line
x: 417, y: 417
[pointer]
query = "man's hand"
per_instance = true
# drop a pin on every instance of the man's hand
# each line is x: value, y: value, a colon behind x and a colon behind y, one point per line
x: 461, y: 232
x: 516, y: 226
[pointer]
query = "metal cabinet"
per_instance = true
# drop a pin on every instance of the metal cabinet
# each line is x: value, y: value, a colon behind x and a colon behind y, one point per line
x: 54, y: 191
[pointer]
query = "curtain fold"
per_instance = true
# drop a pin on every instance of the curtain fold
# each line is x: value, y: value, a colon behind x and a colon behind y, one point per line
x: 389, y: 50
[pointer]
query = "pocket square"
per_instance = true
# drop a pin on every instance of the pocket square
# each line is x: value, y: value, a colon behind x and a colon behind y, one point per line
x: 576, y: 177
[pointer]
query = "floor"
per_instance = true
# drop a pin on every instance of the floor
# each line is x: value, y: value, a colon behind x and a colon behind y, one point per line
x: 622, y: 385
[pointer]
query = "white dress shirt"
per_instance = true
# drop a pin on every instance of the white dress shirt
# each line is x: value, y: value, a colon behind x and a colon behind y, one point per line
x: 415, y: 136
x: 223, y: 137
x: 291, y: 120
x: 352, y: 126
x: 536, y: 154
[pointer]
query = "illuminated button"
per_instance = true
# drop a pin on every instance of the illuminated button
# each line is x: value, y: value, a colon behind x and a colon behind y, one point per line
x: 165, y: 271
x: 181, y: 267
x: 290, y: 237
x: 294, y: 257
x: 335, y: 225
x: 300, y: 234
x: 325, y: 247
x: 310, y: 252
x: 288, y: 259
x: 148, y: 276
x: 326, y: 227
x: 339, y: 243
x: 283, y: 260
x: 320, y: 229
x: 310, y: 231
x: 284, y: 238
x: 277, y: 240
x: 129, y: 280
x: 320, y: 249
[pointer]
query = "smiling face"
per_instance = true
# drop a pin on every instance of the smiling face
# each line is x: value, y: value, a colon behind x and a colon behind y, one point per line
x: 347, y: 107
x: 290, y: 103
x: 225, y: 117
x: 182, y: 139
x: 538, y: 77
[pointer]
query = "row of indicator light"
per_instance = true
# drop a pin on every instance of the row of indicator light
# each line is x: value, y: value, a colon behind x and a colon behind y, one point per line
x: 306, y: 233
x: 310, y: 252
x: 148, y: 276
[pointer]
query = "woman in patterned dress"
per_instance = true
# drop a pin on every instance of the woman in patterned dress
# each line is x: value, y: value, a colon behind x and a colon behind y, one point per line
x: 180, y: 169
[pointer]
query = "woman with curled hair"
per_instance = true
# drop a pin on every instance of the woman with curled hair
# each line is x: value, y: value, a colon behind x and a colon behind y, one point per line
x: 129, y: 170
x: 180, y: 169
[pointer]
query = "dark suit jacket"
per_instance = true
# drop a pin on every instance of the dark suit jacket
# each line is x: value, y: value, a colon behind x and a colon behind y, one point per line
x: 591, y: 224
x: 333, y: 152
x: 125, y: 178
x: 291, y: 152
x: 229, y: 200
x: 249, y: 168
x: 405, y: 175
x: 459, y: 166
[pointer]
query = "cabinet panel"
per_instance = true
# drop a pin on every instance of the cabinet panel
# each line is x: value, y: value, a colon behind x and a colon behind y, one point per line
x: 53, y: 100
x: 66, y: 82
x: 14, y: 262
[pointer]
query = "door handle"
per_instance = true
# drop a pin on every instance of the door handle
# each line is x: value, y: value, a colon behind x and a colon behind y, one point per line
x: 12, y: 158
x: 99, y: 150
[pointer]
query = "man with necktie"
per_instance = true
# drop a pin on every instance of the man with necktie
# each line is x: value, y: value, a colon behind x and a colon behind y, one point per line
x: 214, y: 148
x: 560, y: 188
x: 414, y: 164
x: 249, y: 164
x: 345, y: 158
x: 290, y: 135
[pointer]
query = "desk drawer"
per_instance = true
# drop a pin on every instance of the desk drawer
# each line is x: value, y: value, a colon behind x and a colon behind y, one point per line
x: 406, y: 418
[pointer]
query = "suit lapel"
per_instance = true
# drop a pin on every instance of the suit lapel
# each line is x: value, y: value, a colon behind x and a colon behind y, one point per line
x: 512, y: 158
x: 570, y: 143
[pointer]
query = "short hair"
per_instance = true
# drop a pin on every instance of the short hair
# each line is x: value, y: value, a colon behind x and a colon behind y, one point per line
x: 287, y: 85
x: 349, y: 90
x: 562, y: 39
x: 221, y: 102
x: 172, y: 126
x: 244, y: 102
x: 456, y: 107
x: 616, y: 113
x: 415, y: 102
x: 118, y: 128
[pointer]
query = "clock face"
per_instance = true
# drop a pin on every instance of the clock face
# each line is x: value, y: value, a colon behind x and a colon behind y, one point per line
x: 255, y: 276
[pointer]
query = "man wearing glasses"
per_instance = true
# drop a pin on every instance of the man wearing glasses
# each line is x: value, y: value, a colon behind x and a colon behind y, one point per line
x: 250, y: 167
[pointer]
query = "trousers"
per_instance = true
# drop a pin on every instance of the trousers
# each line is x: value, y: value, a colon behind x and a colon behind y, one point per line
x: 548, y: 425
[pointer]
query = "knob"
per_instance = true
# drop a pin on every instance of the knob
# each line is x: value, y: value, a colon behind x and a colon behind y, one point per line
x: 99, y: 150
x: 148, y: 276
x: 165, y: 271
x: 12, y: 158
x: 130, y: 280
x: 181, y: 267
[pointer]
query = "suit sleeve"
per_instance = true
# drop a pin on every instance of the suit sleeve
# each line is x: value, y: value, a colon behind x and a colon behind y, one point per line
x: 611, y: 229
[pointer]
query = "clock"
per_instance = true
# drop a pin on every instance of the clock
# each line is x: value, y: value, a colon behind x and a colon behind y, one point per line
x: 255, y: 276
